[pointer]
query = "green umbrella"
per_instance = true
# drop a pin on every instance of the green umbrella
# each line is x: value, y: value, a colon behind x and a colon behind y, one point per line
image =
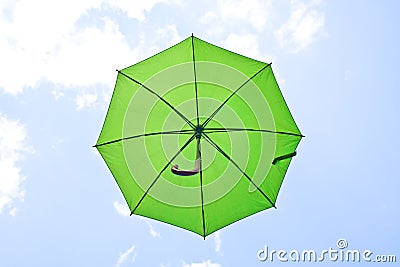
x: 198, y: 137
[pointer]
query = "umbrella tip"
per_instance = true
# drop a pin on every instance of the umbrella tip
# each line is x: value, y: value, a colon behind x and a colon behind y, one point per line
x: 192, y: 34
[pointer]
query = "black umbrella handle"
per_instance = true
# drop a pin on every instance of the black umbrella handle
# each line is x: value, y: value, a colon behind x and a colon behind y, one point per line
x: 175, y: 169
x: 287, y: 156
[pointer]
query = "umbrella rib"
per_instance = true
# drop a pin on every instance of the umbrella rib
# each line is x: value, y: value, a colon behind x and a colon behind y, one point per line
x: 163, y: 169
x: 160, y: 97
x: 209, y: 140
x: 223, y: 130
x: 233, y: 93
x: 143, y: 135
x: 195, y: 82
x: 202, y: 193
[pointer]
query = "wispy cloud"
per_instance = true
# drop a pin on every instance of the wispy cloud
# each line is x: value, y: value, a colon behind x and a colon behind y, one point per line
x: 153, y: 232
x: 139, y: 8
x: 126, y: 256
x: 245, y: 44
x: 57, y: 94
x: 168, y: 35
x: 53, y: 47
x: 304, y: 26
x: 26, y: 38
x: 13, y: 147
x: 123, y: 210
x: 218, y: 241
x: 85, y: 100
x: 99, y: 49
x: 207, y: 263
x: 250, y: 12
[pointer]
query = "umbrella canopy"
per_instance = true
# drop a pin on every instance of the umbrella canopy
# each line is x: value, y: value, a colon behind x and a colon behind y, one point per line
x: 198, y: 137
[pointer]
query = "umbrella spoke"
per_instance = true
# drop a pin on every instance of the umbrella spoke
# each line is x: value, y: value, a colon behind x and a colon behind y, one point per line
x: 161, y: 98
x: 233, y: 93
x: 143, y: 135
x: 209, y: 140
x: 163, y: 169
x: 201, y: 191
x: 195, y: 83
x: 225, y: 130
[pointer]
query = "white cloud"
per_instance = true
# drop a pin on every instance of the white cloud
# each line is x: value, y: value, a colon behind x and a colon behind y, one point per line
x: 218, y: 241
x: 305, y: 25
x: 124, y: 257
x: 153, y: 232
x: 50, y: 46
x: 253, y: 12
x: 245, y: 44
x: 12, y: 149
x: 161, y: 39
x: 207, y: 263
x: 26, y: 38
x: 13, y: 212
x: 168, y: 35
x: 57, y: 94
x: 138, y: 9
x: 85, y: 100
x: 122, y: 209
x: 89, y: 57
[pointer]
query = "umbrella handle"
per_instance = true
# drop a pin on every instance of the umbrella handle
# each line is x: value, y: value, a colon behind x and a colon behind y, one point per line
x: 287, y: 156
x: 175, y: 168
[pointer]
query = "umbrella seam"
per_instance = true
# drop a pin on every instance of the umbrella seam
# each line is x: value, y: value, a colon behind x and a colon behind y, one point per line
x: 202, y: 196
x: 218, y: 130
x: 195, y: 82
x: 198, y: 124
x: 108, y: 110
x: 144, y: 135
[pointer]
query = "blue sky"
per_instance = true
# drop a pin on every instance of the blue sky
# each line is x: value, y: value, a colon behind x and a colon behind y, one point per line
x: 337, y: 66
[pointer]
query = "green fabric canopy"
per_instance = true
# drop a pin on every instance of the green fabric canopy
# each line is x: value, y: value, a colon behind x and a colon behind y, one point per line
x: 219, y: 116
